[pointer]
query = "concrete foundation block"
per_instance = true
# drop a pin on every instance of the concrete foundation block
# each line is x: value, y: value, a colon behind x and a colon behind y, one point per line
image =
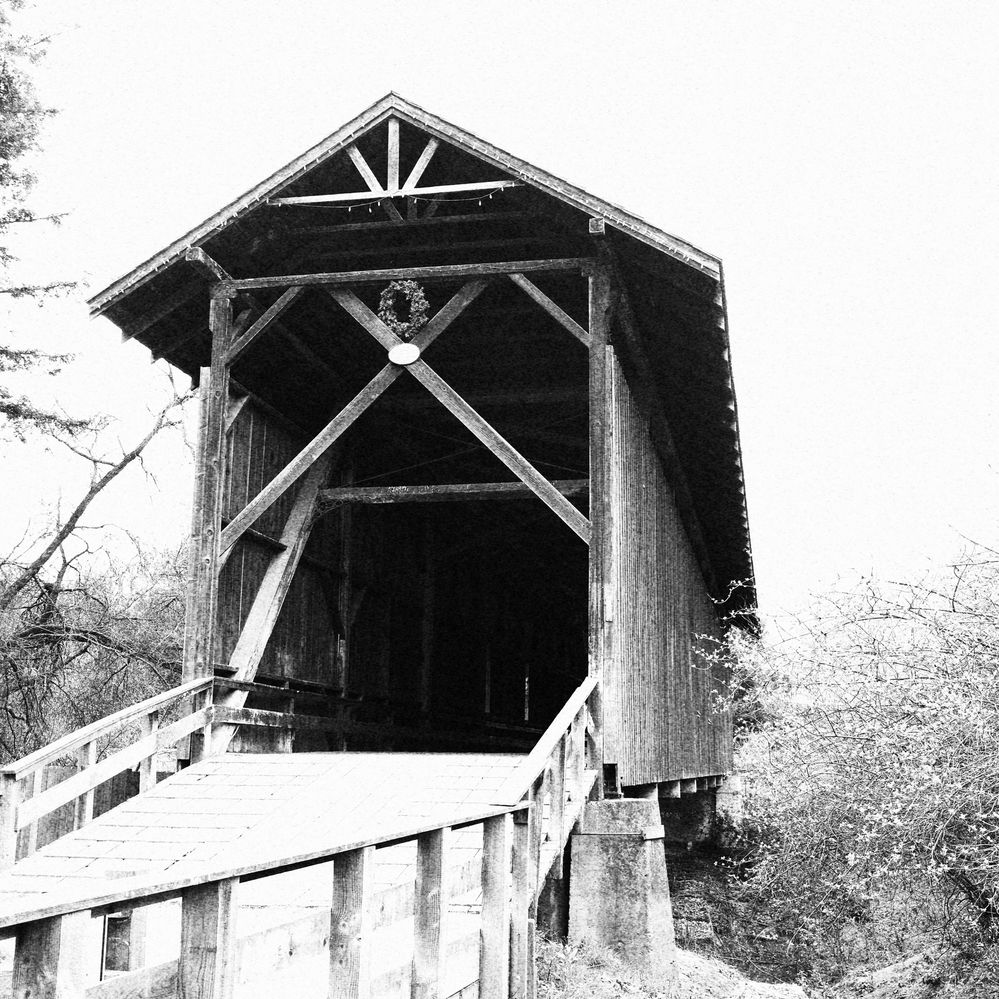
x: 619, y: 895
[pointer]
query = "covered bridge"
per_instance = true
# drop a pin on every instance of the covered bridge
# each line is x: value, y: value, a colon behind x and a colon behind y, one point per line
x: 468, y: 477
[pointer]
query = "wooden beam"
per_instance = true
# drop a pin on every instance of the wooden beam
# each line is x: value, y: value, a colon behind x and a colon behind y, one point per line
x: 446, y: 493
x: 271, y: 594
x: 207, y: 968
x: 369, y: 178
x: 523, y: 885
x: 379, y: 224
x: 160, y: 310
x: 262, y: 323
x: 452, y: 401
x: 345, y: 418
x: 494, y: 945
x: 443, y: 272
x: 51, y: 958
x: 392, y: 178
x: 555, y: 311
x: 351, y: 924
x: 399, y: 192
x: 201, y: 609
x: 602, y: 577
x: 430, y: 912
x: 421, y: 164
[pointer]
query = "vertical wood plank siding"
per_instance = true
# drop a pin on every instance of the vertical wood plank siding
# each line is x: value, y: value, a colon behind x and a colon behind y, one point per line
x: 303, y: 644
x: 661, y: 693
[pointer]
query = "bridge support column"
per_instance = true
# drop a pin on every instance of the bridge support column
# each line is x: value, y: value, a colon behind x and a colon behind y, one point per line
x: 620, y: 894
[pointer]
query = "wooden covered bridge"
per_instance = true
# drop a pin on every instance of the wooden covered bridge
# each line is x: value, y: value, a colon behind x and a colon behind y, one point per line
x: 468, y: 512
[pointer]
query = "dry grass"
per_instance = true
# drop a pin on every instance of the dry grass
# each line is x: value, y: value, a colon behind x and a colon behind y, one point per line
x: 571, y: 971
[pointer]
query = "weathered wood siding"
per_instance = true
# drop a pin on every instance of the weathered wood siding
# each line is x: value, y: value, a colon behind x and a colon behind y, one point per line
x: 660, y: 703
x: 303, y: 644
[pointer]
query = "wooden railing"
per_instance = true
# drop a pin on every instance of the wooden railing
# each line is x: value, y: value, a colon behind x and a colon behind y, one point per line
x: 19, y: 811
x: 524, y: 834
x: 50, y: 952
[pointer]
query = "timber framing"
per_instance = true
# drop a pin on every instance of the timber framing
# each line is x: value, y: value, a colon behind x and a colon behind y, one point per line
x: 445, y: 493
x: 444, y: 272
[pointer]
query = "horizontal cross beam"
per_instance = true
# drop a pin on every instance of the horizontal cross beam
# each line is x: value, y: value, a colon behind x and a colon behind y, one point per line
x: 452, y: 492
x: 398, y: 192
x: 441, y: 272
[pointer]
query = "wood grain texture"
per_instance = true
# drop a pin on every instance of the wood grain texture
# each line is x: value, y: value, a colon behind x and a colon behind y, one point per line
x: 430, y: 914
x: 494, y: 946
x: 51, y: 958
x: 207, y: 968
x: 351, y: 924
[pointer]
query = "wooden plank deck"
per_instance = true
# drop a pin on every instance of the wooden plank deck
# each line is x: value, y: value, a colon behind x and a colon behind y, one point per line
x: 236, y: 808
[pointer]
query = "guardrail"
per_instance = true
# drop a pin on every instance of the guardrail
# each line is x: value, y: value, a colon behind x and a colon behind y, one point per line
x: 51, y: 957
x: 524, y: 836
x: 19, y: 811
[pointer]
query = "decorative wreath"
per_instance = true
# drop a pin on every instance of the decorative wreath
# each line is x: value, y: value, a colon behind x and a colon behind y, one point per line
x: 405, y: 329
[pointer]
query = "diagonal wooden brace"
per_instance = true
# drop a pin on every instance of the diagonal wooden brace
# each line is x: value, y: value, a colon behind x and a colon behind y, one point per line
x: 452, y: 401
x: 344, y: 419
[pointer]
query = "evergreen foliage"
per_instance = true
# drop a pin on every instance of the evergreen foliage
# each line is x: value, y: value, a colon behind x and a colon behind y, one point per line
x: 21, y: 119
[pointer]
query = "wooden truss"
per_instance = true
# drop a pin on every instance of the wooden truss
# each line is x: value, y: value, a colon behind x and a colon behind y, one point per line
x: 213, y: 544
x: 409, y: 189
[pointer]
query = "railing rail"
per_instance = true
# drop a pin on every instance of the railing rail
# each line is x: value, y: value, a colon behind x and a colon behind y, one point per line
x: 18, y: 811
x: 524, y: 835
x: 48, y: 954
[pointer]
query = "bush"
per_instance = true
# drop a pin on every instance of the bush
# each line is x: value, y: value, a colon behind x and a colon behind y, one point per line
x: 872, y: 769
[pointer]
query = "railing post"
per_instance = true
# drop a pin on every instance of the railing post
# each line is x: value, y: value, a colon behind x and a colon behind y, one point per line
x: 494, y: 935
x: 37, y: 784
x: 86, y: 757
x: 430, y: 930
x: 9, y: 797
x: 51, y: 959
x: 147, y: 768
x: 351, y: 924
x: 520, y: 969
x: 535, y: 838
x: 201, y: 742
x: 207, y: 968
x: 557, y: 821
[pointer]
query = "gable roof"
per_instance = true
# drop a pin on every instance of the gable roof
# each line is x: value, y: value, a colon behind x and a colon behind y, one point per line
x: 677, y: 288
x: 392, y: 105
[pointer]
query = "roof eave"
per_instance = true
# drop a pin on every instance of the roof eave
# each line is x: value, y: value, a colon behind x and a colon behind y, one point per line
x: 393, y: 104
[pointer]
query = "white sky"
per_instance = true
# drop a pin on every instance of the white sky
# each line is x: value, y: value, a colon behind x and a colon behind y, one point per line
x: 840, y: 159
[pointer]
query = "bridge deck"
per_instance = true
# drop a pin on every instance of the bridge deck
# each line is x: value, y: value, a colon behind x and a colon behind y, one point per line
x: 234, y: 809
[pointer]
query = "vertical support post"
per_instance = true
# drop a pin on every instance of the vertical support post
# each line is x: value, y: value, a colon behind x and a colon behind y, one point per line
x: 494, y: 934
x: 601, y: 580
x: 200, y: 626
x: 147, y: 768
x: 430, y: 914
x: 351, y: 924
x: 535, y: 836
x: 201, y: 742
x: 520, y: 928
x: 207, y: 967
x: 86, y: 757
x: 50, y: 958
x: 9, y: 799
x: 37, y: 785
x: 392, y: 180
x: 556, y: 827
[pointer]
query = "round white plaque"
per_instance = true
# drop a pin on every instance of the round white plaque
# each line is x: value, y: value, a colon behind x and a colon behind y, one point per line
x: 404, y: 353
